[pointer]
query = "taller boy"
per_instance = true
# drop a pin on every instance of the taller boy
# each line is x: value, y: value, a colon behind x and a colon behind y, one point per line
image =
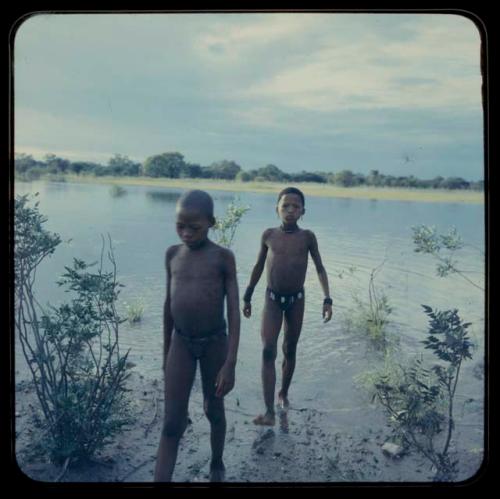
x: 286, y: 250
x: 200, y: 276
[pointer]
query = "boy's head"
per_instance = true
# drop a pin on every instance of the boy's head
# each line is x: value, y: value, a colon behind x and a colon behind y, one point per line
x: 292, y: 190
x: 290, y: 205
x: 195, y: 215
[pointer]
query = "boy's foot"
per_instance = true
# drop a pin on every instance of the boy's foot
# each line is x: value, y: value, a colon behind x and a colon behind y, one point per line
x: 283, y: 402
x: 217, y: 472
x: 267, y: 419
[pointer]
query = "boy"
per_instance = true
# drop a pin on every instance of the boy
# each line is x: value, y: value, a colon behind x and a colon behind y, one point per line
x: 200, y: 275
x: 286, y: 251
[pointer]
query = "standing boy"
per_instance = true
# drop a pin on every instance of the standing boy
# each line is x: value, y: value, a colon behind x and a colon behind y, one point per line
x: 286, y: 250
x: 200, y: 276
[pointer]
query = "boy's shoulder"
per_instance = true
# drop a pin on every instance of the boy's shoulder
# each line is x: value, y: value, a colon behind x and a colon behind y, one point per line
x: 270, y: 231
x: 222, y: 250
x: 172, y: 250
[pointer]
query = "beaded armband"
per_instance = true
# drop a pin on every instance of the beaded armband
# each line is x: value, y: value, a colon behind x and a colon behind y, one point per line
x: 328, y: 301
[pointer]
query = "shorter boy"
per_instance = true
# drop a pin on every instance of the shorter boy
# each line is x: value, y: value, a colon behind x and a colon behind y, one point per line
x: 200, y: 276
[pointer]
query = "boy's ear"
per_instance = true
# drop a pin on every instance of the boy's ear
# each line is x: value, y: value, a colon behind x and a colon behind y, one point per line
x: 212, y: 221
x: 303, y: 211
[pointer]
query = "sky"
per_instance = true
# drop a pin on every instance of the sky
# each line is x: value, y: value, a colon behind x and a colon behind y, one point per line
x: 397, y: 93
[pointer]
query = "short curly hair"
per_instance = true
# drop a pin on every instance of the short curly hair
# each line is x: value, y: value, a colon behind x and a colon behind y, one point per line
x: 292, y: 190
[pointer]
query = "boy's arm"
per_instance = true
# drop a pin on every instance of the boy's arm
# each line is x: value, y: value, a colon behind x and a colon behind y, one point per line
x: 256, y: 273
x: 168, y: 323
x: 322, y: 275
x: 225, y: 378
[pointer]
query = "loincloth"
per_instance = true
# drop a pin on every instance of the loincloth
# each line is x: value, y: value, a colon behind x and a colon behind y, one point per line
x: 285, y: 302
x: 197, y: 345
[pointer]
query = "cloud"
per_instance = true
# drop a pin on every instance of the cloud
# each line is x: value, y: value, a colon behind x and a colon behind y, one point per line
x: 234, y: 37
x: 436, y: 67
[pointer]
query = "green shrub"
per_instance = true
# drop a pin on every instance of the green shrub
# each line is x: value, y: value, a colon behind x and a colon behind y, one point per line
x: 72, y: 350
x: 135, y: 312
x: 419, y: 399
x: 225, y: 228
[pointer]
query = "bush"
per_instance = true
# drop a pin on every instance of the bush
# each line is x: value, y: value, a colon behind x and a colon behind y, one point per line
x: 72, y: 351
x: 225, y: 228
x: 420, y: 399
x: 372, y: 317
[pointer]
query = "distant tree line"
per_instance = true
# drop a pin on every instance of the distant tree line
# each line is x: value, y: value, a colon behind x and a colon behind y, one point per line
x: 173, y: 165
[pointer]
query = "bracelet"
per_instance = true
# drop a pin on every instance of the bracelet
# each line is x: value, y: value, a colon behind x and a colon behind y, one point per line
x: 328, y: 301
x: 247, y: 297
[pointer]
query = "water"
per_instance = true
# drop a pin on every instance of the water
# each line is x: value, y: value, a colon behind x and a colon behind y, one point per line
x: 354, y: 236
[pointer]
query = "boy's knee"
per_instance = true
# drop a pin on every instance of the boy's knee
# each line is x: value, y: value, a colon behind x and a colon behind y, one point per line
x: 289, y: 350
x: 214, y: 411
x: 174, y: 428
x: 269, y: 353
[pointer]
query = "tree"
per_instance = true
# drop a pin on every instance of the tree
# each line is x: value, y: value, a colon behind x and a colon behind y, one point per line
x: 272, y: 173
x: 84, y: 167
x: 308, y: 177
x: 168, y: 164
x: 455, y: 183
x: 24, y: 162
x: 225, y: 169
x: 345, y: 178
x: 56, y: 164
x: 122, y: 165
x: 244, y: 176
x: 191, y: 170
x: 374, y: 178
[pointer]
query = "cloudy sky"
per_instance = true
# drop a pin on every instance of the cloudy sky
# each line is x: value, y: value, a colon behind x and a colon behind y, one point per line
x: 400, y: 93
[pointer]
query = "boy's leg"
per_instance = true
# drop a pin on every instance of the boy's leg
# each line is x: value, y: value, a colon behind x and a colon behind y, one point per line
x: 293, y: 327
x: 272, y: 317
x: 179, y: 376
x: 210, y: 365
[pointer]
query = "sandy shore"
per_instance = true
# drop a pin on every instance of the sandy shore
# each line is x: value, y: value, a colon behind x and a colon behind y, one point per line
x: 303, y: 447
x: 309, y: 189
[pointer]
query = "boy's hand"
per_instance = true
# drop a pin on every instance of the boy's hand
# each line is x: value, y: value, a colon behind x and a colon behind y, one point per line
x: 225, y: 380
x: 247, y: 309
x: 327, y: 312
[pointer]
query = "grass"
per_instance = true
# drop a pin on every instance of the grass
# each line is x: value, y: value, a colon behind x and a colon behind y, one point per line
x: 309, y: 189
x: 135, y: 312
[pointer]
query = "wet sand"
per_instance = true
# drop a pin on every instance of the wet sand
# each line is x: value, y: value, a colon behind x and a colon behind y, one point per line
x: 304, y: 446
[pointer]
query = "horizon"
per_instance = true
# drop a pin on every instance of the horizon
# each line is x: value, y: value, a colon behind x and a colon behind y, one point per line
x: 141, y: 162
x: 397, y: 93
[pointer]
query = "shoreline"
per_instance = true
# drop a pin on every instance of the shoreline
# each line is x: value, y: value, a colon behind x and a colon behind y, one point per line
x: 304, y: 446
x: 309, y: 189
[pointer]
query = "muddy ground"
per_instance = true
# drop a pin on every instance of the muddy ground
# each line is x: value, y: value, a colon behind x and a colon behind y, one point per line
x: 304, y: 446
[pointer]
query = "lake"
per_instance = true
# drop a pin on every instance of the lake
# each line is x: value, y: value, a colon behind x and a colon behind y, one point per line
x: 354, y: 236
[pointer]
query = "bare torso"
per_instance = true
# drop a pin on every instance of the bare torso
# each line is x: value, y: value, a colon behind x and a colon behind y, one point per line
x: 286, y: 262
x: 197, y: 288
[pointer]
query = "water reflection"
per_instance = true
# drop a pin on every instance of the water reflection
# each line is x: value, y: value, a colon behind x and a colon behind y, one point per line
x: 163, y: 196
x: 283, y: 417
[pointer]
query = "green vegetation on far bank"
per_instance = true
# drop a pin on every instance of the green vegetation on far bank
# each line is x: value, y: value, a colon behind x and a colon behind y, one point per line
x: 172, y: 166
x: 309, y: 188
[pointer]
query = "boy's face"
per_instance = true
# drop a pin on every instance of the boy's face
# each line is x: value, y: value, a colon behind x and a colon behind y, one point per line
x: 192, y: 227
x: 290, y: 208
